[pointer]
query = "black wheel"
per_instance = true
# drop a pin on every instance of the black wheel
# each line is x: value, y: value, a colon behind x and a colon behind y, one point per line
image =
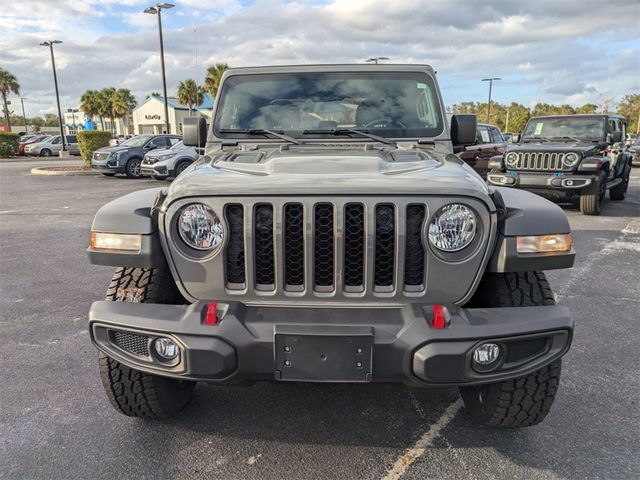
x: 108, y: 174
x: 133, y: 168
x: 526, y: 400
x: 592, y: 199
x: 181, y: 167
x: 45, y: 152
x: 619, y: 192
x: 132, y: 392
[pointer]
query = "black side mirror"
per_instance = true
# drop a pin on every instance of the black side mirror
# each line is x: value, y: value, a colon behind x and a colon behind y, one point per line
x: 463, y: 129
x: 616, y: 137
x: 194, y: 132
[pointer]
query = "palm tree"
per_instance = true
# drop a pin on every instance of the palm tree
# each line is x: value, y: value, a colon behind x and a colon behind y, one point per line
x: 214, y: 75
x: 105, y: 105
x: 8, y: 84
x: 190, y: 94
x: 89, y: 103
x: 122, y: 103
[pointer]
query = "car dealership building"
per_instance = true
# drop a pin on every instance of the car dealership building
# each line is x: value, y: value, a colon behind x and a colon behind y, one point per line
x: 148, y: 118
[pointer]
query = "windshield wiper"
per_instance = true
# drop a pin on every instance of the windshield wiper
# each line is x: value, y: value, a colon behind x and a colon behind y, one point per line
x: 262, y: 131
x: 567, y: 138
x: 535, y: 139
x: 347, y: 131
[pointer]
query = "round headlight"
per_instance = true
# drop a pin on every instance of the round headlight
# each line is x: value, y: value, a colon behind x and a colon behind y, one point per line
x: 511, y: 159
x: 200, y: 228
x: 570, y: 159
x: 452, y: 228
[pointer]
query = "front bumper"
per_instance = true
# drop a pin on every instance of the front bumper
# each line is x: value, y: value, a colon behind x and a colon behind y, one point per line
x: 245, y: 346
x: 539, y: 182
x: 112, y: 166
x: 154, y: 170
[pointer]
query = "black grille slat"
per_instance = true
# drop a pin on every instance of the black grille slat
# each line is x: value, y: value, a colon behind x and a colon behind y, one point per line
x: 524, y: 349
x: 414, y: 249
x: 294, y: 245
x: 131, y: 342
x: 385, y: 245
x: 354, y: 235
x: 323, y: 246
x: 263, y: 245
x: 235, y: 255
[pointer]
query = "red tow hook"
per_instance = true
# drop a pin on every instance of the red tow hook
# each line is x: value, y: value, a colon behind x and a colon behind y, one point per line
x: 211, y: 317
x: 439, y: 317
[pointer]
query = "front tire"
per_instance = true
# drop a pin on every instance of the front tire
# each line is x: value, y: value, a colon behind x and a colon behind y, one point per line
x: 591, y: 202
x: 132, y: 392
x: 526, y: 400
x: 45, y: 152
x: 133, y: 169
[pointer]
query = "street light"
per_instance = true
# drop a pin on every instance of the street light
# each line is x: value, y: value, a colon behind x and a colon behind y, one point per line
x: 26, y: 127
x: 157, y: 10
x: 490, y: 80
x: 50, y: 44
x: 375, y: 59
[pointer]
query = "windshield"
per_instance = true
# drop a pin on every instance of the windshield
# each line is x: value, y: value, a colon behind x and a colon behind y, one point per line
x: 178, y: 146
x: 312, y: 105
x: 138, y: 141
x: 571, y: 128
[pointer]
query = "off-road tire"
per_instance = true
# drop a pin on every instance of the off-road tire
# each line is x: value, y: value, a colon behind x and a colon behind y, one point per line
x: 592, y: 200
x: 132, y: 392
x: 45, y: 152
x: 526, y: 400
x: 619, y: 192
x: 132, y: 169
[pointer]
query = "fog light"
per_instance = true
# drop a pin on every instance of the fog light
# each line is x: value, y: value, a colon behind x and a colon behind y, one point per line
x: 166, y: 348
x: 486, y: 354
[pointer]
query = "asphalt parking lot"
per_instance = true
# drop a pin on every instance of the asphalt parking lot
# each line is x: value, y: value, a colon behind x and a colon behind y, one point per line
x: 57, y: 423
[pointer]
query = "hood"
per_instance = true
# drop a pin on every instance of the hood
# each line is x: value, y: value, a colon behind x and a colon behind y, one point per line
x: 553, y: 147
x: 160, y: 151
x: 116, y: 148
x: 318, y: 171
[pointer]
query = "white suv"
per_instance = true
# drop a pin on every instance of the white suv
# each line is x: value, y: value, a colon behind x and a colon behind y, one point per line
x: 169, y: 162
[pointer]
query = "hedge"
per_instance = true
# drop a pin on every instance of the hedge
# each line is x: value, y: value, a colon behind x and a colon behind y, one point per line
x: 91, y: 140
x: 9, y: 144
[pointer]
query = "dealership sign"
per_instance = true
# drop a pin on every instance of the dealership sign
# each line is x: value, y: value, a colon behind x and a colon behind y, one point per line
x: 152, y: 117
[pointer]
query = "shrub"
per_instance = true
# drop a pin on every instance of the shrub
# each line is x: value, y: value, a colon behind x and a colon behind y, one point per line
x: 90, y: 141
x: 9, y: 144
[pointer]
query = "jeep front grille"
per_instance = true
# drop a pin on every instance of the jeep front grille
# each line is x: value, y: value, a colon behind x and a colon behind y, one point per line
x: 325, y: 246
x: 540, y: 161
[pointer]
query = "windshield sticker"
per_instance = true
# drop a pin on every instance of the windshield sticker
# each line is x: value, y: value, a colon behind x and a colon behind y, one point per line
x: 538, y: 129
x: 421, y: 86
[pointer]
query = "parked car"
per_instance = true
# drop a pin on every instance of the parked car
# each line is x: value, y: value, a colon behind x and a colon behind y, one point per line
x: 631, y: 139
x: 34, y: 139
x: 489, y: 143
x: 567, y: 158
x: 331, y: 237
x: 52, y: 146
x: 118, y: 140
x: 170, y: 162
x: 127, y: 157
x: 634, y: 150
x: 26, y: 137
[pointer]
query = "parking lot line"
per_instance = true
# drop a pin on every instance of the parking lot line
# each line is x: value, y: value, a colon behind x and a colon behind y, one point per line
x: 425, y: 441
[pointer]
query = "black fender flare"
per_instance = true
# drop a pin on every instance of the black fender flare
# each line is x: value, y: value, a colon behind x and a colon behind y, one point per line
x: 522, y: 213
x: 595, y: 164
x: 133, y: 213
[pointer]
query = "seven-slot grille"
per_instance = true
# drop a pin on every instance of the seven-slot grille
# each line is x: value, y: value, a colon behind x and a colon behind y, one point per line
x: 325, y: 246
x: 544, y: 161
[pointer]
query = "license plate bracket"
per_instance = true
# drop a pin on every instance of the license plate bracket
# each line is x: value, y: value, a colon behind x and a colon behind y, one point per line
x: 323, y: 358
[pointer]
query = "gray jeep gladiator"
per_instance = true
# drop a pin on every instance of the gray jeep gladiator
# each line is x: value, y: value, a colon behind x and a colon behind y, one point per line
x: 568, y: 158
x: 329, y: 234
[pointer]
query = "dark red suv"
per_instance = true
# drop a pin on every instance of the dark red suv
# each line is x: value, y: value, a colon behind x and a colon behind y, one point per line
x: 36, y: 139
x: 489, y: 142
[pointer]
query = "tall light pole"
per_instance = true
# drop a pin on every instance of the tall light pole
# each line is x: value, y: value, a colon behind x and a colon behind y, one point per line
x: 26, y: 128
x: 50, y: 44
x: 157, y: 10
x: 376, y: 59
x: 490, y: 80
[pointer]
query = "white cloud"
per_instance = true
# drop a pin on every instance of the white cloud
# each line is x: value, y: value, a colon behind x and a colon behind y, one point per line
x: 548, y: 51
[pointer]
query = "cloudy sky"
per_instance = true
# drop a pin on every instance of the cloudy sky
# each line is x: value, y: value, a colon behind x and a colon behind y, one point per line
x: 545, y: 51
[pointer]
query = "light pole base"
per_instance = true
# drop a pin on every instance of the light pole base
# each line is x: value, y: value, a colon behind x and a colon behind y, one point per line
x: 64, y: 154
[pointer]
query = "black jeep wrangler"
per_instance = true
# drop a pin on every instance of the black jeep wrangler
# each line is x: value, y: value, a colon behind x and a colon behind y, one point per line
x: 566, y: 158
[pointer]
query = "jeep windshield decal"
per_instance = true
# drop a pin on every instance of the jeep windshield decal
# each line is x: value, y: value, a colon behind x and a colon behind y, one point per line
x: 376, y: 105
x: 563, y: 129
